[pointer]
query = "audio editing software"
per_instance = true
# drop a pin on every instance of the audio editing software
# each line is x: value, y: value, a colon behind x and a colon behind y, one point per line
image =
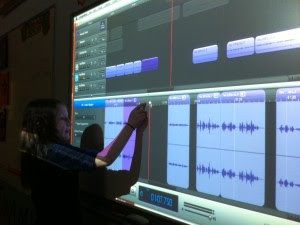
x: 209, y: 143
x: 125, y: 50
x: 142, y: 46
x: 220, y: 79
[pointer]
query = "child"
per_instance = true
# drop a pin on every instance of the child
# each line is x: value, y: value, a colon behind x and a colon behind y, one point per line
x: 50, y: 165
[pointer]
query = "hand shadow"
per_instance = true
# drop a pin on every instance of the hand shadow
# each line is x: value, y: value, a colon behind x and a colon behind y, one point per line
x: 104, y: 182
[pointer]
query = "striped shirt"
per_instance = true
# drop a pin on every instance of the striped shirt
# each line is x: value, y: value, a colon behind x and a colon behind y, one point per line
x: 70, y: 158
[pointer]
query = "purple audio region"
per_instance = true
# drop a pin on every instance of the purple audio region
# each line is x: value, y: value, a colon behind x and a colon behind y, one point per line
x: 150, y: 64
x: 230, y: 159
x: 116, y: 115
x: 129, y: 105
x: 205, y: 54
x: 287, y: 150
x: 279, y: 41
x: 178, y: 140
x: 113, y: 125
x: 131, y: 68
x: 239, y: 48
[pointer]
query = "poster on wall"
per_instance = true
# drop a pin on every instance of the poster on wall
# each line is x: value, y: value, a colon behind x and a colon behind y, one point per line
x: 2, y: 124
x: 36, y: 25
x: 4, y: 88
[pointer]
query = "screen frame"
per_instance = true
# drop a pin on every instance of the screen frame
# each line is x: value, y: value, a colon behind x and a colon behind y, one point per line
x: 235, y: 86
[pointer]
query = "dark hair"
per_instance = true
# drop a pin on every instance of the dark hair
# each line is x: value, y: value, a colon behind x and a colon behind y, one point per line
x: 92, y: 138
x: 38, y: 129
x: 39, y: 126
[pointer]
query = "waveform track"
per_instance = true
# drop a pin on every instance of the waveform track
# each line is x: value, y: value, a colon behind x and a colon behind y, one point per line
x: 209, y: 170
x: 287, y: 129
x: 210, y: 126
x: 248, y: 177
x: 178, y: 125
x: 242, y: 127
x: 242, y: 176
x: 286, y: 184
x: 248, y: 127
x: 228, y: 173
x: 177, y: 164
x: 229, y: 126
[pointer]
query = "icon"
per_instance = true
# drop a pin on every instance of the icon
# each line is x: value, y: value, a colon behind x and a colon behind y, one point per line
x: 133, y: 191
x: 141, y: 194
x: 102, y: 25
x: 243, y: 94
x: 76, y: 77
